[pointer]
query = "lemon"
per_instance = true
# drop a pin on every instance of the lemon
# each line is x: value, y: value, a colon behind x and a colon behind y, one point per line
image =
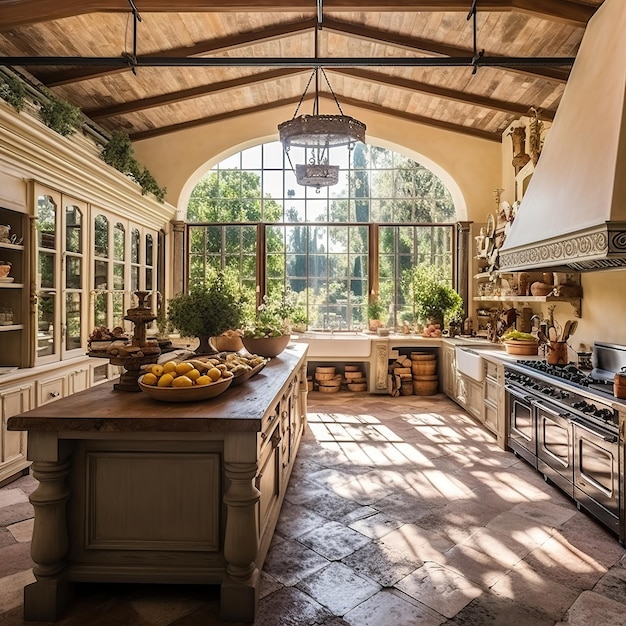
x: 157, y: 369
x: 182, y: 381
x: 183, y: 368
x: 214, y: 374
x: 165, y: 381
x: 194, y: 374
x: 169, y: 367
x: 149, y: 379
x: 204, y: 380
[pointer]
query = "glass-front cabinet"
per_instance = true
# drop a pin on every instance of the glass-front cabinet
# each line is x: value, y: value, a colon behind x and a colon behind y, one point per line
x: 61, y: 278
x: 124, y: 261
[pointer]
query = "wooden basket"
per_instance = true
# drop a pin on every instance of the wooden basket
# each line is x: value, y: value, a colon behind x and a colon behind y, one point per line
x: 357, y: 386
x: 423, y: 356
x: 424, y: 368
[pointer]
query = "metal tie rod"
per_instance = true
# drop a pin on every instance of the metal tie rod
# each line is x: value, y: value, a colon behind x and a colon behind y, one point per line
x: 154, y: 61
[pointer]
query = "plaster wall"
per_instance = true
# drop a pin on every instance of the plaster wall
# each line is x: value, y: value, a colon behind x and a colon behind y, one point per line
x: 469, y: 166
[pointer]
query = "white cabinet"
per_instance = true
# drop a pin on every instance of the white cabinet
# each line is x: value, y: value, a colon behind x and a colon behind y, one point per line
x: 482, y: 399
x: 494, y: 418
x: 13, y: 460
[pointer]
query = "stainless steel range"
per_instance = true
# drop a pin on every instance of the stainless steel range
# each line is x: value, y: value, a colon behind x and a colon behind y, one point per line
x: 563, y: 421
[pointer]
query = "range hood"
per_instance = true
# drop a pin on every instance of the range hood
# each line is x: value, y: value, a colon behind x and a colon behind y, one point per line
x: 573, y: 215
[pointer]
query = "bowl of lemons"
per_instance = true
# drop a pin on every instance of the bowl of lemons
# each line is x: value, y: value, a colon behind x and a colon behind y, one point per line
x: 180, y: 381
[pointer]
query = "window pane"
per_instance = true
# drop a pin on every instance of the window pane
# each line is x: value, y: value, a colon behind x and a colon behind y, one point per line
x: 73, y: 272
x: 72, y: 320
x: 46, y: 222
x: 46, y: 305
x: 134, y: 246
x: 73, y: 229
x: 101, y: 236
x: 119, y: 242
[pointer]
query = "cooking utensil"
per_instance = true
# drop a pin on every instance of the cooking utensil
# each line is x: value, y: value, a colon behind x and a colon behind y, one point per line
x: 542, y: 337
x: 566, y: 330
x: 572, y: 328
x: 552, y: 334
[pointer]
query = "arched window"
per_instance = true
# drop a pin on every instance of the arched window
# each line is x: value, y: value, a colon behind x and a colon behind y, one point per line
x: 336, y: 247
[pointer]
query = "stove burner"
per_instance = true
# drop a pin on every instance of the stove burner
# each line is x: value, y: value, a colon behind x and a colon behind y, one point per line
x: 566, y: 372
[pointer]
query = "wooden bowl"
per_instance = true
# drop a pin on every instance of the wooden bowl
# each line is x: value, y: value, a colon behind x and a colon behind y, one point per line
x: 521, y: 348
x: 186, y: 394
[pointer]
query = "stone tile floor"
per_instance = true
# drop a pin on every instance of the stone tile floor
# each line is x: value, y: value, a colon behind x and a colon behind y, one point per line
x: 400, y: 512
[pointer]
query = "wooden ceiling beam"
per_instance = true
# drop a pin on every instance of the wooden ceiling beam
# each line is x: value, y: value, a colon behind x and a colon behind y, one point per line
x: 427, y: 46
x: 397, y: 82
x: 455, y: 128
x: 15, y: 13
x: 196, y: 92
x: 210, y: 46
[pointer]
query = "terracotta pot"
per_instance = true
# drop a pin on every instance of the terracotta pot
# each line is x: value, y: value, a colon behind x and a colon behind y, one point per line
x: 266, y: 346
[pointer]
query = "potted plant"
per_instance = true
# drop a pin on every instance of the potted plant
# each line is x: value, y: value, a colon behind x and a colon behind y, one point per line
x: 267, y: 334
x: 430, y: 296
x: 208, y: 310
x: 375, y: 312
x: 299, y: 321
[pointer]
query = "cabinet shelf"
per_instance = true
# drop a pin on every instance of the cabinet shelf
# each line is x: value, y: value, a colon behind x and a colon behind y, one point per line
x: 11, y: 246
x: 575, y: 302
x: 11, y: 285
x: 8, y: 327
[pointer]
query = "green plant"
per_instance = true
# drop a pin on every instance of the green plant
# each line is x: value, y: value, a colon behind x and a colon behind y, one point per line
x: 208, y: 309
x: 118, y: 153
x: 376, y: 309
x: 429, y: 294
x: 12, y: 91
x: 61, y: 116
x: 272, y: 317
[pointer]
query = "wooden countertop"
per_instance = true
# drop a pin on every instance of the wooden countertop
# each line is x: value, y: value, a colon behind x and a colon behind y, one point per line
x: 103, y: 409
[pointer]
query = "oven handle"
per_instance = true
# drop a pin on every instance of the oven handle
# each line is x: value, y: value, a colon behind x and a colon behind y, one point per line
x: 609, y: 438
x: 552, y: 409
x: 519, y: 394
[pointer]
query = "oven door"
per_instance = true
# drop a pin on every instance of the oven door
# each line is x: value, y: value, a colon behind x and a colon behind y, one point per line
x: 555, y: 453
x: 522, y: 437
x: 596, y: 471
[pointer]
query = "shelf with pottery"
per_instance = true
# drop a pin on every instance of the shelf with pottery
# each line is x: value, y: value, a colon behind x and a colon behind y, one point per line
x: 575, y: 302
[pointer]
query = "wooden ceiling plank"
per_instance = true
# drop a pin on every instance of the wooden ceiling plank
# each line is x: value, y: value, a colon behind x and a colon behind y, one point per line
x: 440, y: 92
x: 187, y: 94
x: 430, y: 47
x: 221, y: 45
x: 19, y: 13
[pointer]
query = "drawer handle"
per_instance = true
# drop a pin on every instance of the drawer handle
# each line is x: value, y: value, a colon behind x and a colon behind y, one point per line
x: 54, y: 394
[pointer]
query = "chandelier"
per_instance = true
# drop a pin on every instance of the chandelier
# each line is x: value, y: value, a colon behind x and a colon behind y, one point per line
x: 317, y: 134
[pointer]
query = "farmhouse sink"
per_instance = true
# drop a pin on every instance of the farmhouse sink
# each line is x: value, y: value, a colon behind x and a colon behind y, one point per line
x: 325, y: 344
x: 470, y: 362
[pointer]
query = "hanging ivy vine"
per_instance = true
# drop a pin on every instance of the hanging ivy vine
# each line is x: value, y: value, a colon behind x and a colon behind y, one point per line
x: 61, y: 116
x: 118, y: 153
x: 12, y: 91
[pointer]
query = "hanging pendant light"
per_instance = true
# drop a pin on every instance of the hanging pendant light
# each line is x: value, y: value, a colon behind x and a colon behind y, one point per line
x: 318, y: 133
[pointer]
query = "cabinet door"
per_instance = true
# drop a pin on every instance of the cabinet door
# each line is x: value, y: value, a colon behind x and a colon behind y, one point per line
x: 491, y: 417
x: 475, y: 404
x: 13, y: 443
x: 61, y: 276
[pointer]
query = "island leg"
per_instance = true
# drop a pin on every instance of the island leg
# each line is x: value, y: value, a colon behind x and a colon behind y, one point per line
x: 45, y: 599
x: 240, y: 586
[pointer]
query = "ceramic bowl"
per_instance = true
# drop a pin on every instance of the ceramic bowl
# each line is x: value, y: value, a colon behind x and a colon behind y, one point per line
x: 186, y: 394
x: 266, y: 346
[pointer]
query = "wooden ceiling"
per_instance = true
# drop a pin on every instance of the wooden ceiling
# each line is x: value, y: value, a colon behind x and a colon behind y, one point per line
x: 173, y: 64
